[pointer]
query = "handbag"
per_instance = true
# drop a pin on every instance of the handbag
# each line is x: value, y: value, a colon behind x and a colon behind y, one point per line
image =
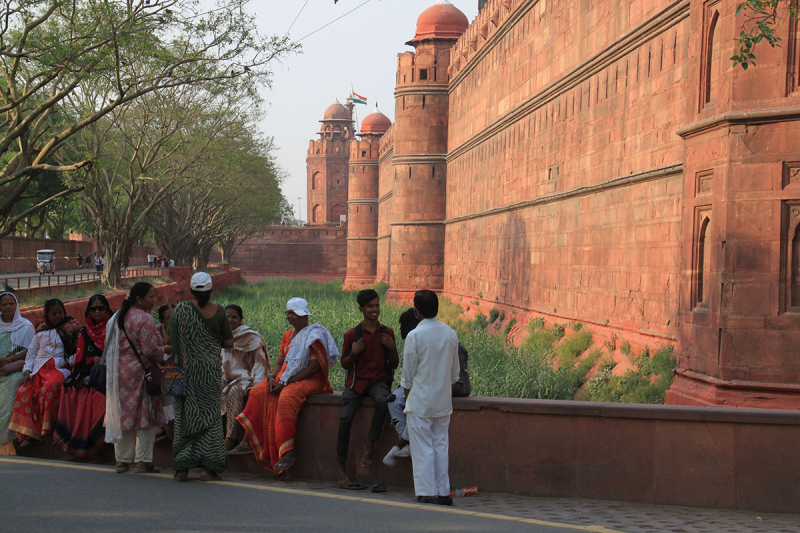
x: 97, y: 376
x: 152, y: 375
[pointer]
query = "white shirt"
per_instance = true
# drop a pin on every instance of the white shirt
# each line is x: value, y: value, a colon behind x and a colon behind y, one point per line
x: 45, y: 345
x: 430, y: 367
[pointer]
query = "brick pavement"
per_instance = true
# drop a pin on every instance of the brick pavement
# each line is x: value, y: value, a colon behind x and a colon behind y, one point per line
x: 617, y: 516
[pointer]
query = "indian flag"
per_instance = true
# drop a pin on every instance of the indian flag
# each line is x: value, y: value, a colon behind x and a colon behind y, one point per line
x: 358, y: 99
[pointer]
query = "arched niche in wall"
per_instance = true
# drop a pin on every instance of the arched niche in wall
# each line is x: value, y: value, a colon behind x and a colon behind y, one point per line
x: 337, y: 180
x: 701, y: 271
x: 710, y: 62
x: 317, y: 214
x: 336, y: 211
x: 317, y: 181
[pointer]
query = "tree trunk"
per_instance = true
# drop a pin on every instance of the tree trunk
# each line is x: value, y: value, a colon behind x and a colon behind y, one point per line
x: 116, y: 250
x: 226, y: 246
x: 200, y: 262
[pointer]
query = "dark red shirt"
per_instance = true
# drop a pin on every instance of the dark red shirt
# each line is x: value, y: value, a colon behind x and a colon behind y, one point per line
x: 370, y: 366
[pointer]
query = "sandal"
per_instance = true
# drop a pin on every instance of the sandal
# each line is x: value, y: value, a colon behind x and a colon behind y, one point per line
x: 181, y: 475
x: 146, y: 468
x: 378, y: 487
x: 352, y: 486
x: 210, y: 475
x: 283, y: 464
x: 121, y: 468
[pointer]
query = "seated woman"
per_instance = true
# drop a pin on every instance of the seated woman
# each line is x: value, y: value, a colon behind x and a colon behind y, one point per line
x: 243, y: 367
x: 39, y: 393
x: 79, y: 429
x: 16, y: 334
x: 306, y: 353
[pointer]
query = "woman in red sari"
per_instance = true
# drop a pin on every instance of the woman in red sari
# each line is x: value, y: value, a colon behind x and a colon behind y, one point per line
x: 79, y: 429
x: 39, y: 393
x: 270, y: 416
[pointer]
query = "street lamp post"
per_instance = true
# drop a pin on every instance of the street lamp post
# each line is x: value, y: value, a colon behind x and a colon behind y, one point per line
x: 299, y: 208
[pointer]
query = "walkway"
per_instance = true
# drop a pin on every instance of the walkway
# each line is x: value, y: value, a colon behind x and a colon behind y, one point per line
x: 242, y: 505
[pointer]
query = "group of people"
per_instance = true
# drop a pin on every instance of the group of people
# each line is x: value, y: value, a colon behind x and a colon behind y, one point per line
x: 235, y: 400
x: 159, y: 261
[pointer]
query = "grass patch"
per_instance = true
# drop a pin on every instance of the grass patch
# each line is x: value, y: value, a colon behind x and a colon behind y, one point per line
x: 647, y: 382
x: 572, y: 347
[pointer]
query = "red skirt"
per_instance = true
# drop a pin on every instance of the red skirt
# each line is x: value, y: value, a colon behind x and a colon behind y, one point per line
x: 79, y: 429
x: 36, y: 405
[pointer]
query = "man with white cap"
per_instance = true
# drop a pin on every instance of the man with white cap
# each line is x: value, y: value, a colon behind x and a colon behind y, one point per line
x: 270, y: 416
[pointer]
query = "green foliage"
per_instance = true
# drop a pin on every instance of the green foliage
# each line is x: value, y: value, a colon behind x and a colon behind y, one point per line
x: 494, y: 314
x: 510, y: 324
x: 646, y: 383
x: 572, y: 347
x: 625, y: 348
x: 558, y: 331
x: 480, y: 321
x: 575, y: 325
x: 760, y: 17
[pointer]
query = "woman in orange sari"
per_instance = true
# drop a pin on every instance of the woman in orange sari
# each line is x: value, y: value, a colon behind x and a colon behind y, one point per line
x: 270, y: 416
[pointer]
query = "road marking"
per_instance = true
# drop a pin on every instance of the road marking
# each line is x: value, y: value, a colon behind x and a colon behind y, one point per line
x: 330, y: 495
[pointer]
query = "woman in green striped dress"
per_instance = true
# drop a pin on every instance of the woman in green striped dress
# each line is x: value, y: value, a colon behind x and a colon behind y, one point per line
x: 197, y: 330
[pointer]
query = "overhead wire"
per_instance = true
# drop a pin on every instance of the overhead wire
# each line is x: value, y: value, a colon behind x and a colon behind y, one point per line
x: 297, y: 17
x: 334, y: 20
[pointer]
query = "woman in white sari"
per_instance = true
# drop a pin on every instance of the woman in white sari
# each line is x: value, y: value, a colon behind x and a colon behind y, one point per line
x: 16, y: 334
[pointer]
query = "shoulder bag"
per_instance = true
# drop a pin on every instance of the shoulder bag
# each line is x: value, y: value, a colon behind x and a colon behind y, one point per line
x: 152, y: 375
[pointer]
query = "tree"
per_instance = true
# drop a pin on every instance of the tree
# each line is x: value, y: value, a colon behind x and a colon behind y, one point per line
x: 51, y: 50
x: 760, y: 16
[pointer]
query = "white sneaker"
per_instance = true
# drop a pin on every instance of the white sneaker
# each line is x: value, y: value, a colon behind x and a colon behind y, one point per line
x: 389, y: 460
x: 405, y: 451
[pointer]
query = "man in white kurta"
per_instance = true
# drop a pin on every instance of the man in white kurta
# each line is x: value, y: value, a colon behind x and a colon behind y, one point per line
x: 430, y: 368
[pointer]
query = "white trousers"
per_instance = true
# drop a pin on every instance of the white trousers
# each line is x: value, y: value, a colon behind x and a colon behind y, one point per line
x: 138, y: 442
x: 430, y: 442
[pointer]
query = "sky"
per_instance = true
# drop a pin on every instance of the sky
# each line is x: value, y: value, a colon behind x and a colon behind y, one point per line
x: 360, y: 50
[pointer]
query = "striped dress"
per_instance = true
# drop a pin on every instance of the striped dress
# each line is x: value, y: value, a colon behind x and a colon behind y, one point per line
x: 196, y: 341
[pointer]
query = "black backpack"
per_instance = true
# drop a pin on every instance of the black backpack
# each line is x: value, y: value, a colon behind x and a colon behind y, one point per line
x: 389, y: 370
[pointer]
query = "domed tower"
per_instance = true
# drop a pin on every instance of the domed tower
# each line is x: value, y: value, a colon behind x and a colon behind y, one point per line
x: 327, y: 165
x: 420, y: 151
x: 362, y: 203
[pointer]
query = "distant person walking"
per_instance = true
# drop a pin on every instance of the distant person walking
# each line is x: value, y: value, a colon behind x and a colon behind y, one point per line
x: 97, y: 263
x: 430, y: 369
x: 79, y: 260
x: 87, y: 262
x: 197, y: 330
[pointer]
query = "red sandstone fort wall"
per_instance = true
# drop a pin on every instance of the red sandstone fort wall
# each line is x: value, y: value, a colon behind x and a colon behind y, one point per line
x: 385, y: 204
x: 294, y: 252
x: 564, y: 186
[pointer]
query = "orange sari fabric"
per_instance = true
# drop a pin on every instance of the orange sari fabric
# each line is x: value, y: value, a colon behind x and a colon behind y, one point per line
x: 36, y: 406
x: 271, y: 421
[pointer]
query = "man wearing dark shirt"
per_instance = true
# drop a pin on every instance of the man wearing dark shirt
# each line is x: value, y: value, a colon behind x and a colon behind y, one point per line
x: 368, y: 362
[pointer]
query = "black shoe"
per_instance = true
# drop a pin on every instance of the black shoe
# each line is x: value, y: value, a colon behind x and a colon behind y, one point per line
x: 427, y: 499
x: 444, y: 500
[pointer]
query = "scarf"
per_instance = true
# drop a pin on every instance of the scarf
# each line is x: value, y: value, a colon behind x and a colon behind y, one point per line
x: 246, y: 339
x: 297, y: 358
x: 111, y: 360
x: 68, y: 330
x: 20, y: 328
x: 96, y: 333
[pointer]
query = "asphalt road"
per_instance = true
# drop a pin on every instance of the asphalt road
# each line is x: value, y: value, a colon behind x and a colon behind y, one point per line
x: 50, y: 496
x: 62, y: 277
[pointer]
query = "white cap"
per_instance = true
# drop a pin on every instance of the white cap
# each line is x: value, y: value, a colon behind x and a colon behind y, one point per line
x: 299, y: 306
x: 201, y: 281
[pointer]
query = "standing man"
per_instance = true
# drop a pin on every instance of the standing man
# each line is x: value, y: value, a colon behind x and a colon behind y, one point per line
x: 369, y: 356
x: 430, y: 369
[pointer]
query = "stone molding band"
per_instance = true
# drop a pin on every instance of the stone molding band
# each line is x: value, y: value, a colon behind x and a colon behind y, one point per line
x: 386, y: 196
x: 737, y: 383
x: 356, y: 163
x: 362, y: 201
x: 417, y: 223
x: 422, y: 90
x: 382, y: 237
x: 668, y: 17
x: 362, y: 238
x: 410, y: 159
x: 387, y: 153
x: 733, y: 118
x: 625, y: 181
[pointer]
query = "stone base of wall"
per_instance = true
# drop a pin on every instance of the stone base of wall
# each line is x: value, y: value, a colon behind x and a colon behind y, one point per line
x: 691, y: 388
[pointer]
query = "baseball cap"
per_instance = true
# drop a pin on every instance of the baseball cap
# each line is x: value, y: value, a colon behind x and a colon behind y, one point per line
x: 201, y: 281
x: 299, y: 306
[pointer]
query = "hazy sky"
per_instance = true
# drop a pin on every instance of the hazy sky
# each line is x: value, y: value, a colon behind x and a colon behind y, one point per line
x: 359, y: 50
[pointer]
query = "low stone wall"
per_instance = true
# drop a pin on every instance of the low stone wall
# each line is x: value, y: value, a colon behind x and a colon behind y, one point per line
x: 702, y: 457
x: 689, y: 456
x: 168, y: 292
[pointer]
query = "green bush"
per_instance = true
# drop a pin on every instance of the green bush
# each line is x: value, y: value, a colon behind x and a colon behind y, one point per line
x: 646, y: 383
x: 493, y: 315
x: 572, y: 347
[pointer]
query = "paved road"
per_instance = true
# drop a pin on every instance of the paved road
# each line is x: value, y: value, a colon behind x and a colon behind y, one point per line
x: 62, y: 277
x: 49, y: 496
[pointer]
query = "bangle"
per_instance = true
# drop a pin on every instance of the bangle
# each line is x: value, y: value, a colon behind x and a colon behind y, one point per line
x: 271, y: 375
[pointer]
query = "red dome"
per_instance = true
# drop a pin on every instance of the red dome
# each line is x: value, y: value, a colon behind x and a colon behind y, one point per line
x: 376, y: 123
x: 336, y: 111
x: 441, y: 21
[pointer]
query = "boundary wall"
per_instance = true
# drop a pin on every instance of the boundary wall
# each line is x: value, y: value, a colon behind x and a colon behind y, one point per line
x: 730, y: 458
x: 294, y: 252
